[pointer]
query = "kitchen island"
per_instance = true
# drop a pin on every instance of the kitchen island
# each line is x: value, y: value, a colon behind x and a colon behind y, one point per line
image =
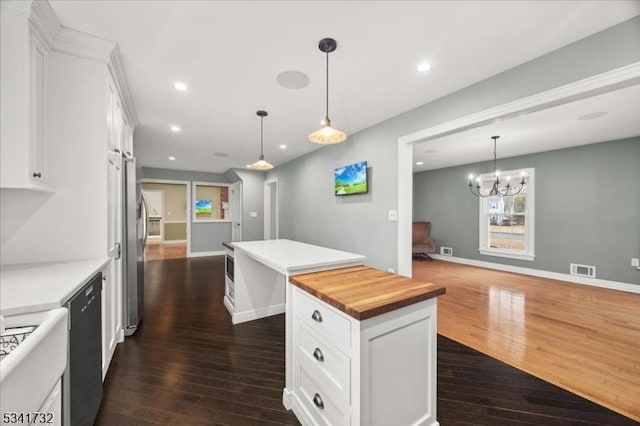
x: 363, y: 348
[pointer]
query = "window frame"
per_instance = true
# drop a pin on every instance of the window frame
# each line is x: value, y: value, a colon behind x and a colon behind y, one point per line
x: 529, y: 234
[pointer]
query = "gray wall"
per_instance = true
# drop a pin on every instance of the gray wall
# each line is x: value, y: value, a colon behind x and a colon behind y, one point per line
x: 205, y: 237
x: 252, y: 201
x: 309, y: 211
x: 586, y: 208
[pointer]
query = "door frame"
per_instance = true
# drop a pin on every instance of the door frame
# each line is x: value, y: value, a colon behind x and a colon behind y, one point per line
x: 235, y: 210
x: 268, y: 203
x: 187, y: 200
x: 618, y: 78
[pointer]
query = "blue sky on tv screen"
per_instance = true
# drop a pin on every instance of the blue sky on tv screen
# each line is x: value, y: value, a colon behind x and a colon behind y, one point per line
x: 353, y: 173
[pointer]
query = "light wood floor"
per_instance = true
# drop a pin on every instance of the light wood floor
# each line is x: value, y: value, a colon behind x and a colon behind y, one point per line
x: 165, y: 251
x: 581, y: 338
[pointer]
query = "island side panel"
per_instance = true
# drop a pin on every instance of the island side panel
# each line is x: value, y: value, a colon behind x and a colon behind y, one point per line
x: 259, y: 290
x: 398, y: 371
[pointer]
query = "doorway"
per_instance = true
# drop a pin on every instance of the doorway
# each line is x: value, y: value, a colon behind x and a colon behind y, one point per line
x: 271, y: 231
x: 167, y: 220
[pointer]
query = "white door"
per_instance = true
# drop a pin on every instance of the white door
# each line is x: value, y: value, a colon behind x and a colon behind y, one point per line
x: 271, y: 210
x: 235, y: 211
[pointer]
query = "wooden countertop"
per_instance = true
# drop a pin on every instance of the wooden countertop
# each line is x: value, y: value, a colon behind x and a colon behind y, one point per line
x: 364, y: 292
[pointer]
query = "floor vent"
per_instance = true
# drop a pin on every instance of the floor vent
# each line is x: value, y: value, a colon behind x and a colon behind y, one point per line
x: 583, y: 270
x: 447, y: 251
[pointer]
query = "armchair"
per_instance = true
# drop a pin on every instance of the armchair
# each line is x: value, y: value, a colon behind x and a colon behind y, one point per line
x: 422, y: 243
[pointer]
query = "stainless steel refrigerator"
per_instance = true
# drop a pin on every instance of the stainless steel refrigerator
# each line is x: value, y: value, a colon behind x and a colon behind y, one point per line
x: 135, y: 230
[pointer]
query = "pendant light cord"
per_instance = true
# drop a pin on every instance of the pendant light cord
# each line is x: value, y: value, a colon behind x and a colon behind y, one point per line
x: 327, y: 90
x: 261, y: 138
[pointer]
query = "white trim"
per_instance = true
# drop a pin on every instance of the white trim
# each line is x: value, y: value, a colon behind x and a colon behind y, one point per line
x: 587, y: 87
x: 595, y: 282
x: 268, y: 311
x: 175, y: 221
x: 508, y: 254
x: 206, y: 253
x: 267, y: 210
x: 117, y: 72
x: 212, y: 221
x: 167, y: 242
x: 167, y: 181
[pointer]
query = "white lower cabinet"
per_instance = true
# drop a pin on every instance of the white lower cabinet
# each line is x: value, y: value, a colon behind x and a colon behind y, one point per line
x: 380, y: 371
x: 111, y: 317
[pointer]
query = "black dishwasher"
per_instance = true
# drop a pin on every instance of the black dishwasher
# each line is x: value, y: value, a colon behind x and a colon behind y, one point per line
x: 82, y: 380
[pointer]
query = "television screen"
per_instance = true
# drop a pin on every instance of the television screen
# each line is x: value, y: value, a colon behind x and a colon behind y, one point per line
x: 204, y: 206
x: 350, y: 179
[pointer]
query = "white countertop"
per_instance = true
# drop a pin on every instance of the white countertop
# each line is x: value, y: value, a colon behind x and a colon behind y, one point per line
x: 289, y: 256
x: 37, y: 287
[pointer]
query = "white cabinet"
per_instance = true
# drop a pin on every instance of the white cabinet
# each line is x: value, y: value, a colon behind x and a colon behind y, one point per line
x: 24, y: 152
x: 379, y: 371
x: 111, y: 317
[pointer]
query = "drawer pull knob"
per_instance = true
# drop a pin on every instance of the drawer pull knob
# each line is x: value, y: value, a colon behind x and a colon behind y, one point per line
x: 318, y: 401
x: 316, y: 316
x: 317, y: 354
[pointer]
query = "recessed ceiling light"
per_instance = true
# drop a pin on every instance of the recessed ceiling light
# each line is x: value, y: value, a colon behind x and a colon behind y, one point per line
x: 593, y: 115
x: 283, y: 146
x: 423, y: 66
x: 172, y: 158
x: 180, y: 86
x: 419, y: 163
x: 248, y: 166
x: 175, y: 129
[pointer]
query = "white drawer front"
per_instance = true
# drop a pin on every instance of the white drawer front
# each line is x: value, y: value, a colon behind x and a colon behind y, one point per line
x: 322, y: 319
x: 324, y: 409
x: 327, y: 359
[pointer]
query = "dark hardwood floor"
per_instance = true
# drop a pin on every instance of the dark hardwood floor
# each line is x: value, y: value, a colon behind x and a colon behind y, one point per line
x: 188, y: 364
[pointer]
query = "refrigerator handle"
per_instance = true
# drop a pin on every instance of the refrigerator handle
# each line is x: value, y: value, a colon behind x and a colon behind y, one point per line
x: 143, y: 215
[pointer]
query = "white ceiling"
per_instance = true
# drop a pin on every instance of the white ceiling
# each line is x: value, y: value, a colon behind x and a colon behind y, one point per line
x: 230, y: 53
x: 560, y: 127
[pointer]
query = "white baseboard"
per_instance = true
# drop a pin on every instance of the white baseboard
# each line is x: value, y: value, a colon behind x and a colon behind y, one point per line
x: 595, y: 282
x: 287, y: 398
x: 206, y: 253
x: 229, y: 305
x: 174, y: 241
x: 245, y: 316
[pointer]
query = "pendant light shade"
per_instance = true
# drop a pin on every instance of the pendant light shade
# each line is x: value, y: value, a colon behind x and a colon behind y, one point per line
x: 261, y: 164
x: 327, y: 135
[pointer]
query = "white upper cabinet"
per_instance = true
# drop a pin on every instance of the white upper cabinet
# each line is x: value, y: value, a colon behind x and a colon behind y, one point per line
x: 24, y: 57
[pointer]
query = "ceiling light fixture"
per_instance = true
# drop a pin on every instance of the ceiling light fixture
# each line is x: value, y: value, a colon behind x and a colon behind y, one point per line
x: 506, y: 191
x: 283, y: 146
x: 423, y: 66
x: 261, y: 164
x: 175, y: 129
x: 180, y: 86
x: 327, y: 135
x: 172, y: 158
x: 419, y: 163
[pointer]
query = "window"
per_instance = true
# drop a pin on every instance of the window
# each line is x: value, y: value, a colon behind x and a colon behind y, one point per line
x: 507, y: 223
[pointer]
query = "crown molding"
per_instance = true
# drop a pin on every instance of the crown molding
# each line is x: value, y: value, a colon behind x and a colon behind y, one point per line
x: 117, y: 71
x: 45, y: 21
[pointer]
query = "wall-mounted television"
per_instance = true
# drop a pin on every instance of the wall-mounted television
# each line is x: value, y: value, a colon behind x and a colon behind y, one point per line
x: 204, y: 206
x: 350, y: 179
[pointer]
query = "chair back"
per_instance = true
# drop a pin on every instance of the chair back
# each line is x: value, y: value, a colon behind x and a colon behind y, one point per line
x: 420, y: 231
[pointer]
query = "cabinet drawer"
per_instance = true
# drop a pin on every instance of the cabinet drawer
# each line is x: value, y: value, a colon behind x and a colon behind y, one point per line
x: 325, y: 359
x: 321, y: 404
x: 322, y: 319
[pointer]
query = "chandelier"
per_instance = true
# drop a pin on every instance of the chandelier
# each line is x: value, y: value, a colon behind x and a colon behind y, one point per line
x: 496, y: 190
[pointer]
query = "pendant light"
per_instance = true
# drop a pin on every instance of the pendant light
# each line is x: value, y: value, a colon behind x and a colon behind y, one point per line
x: 496, y: 191
x: 327, y: 135
x: 261, y: 164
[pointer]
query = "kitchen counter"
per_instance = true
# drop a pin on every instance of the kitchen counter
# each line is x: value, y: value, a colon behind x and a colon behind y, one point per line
x: 37, y: 287
x: 286, y: 256
x: 364, y: 292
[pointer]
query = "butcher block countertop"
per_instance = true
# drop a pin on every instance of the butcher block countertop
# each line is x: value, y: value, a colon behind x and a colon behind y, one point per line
x: 364, y: 292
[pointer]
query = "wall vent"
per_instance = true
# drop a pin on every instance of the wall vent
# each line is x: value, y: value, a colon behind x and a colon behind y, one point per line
x: 582, y: 270
x: 447, y: 251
